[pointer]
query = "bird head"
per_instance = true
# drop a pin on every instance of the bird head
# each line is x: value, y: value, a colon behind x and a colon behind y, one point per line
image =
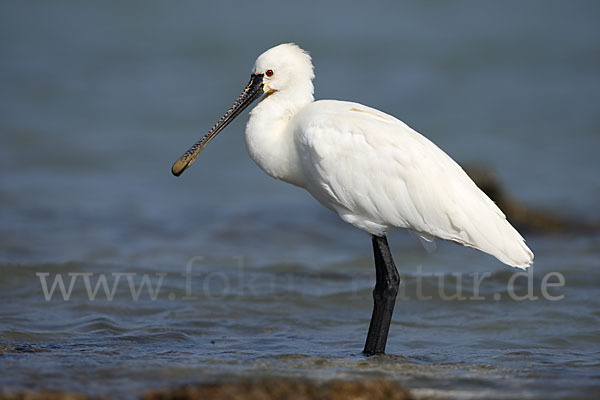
x: 285, y: 68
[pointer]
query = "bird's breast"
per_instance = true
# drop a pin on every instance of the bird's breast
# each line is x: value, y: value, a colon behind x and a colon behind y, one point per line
x: 270, y: 144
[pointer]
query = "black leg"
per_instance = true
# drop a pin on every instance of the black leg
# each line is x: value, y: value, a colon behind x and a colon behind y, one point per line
x: 384, y: 297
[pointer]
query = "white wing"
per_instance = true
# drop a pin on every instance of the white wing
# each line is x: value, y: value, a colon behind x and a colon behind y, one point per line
x: 377, y: 173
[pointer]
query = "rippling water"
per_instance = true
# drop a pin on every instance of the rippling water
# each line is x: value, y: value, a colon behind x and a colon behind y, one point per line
x: 250, y: 277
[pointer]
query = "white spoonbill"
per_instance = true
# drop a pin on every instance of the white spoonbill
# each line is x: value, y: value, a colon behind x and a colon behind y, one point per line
x: 370, y: 168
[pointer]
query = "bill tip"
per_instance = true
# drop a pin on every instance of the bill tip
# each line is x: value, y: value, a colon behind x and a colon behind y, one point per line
x: 178, y: 168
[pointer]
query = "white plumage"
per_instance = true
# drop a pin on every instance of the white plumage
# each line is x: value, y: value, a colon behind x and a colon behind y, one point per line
x: 370, y: 168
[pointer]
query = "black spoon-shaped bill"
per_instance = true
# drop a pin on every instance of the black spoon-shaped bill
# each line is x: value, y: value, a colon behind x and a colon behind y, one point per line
x: 253, y: 91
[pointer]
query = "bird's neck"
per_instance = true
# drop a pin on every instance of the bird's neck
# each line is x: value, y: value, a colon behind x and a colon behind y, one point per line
x: 269, y: 134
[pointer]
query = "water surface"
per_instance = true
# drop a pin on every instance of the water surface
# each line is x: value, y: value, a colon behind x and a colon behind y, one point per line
x: 98, y: 100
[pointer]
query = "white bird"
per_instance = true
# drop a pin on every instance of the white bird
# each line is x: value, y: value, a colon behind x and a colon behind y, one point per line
x: 370, y: 168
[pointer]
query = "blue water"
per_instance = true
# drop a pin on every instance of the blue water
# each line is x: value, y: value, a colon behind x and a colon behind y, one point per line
x: 98, y: 99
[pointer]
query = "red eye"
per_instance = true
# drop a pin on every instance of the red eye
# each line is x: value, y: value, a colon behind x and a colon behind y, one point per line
x: 269, y: 72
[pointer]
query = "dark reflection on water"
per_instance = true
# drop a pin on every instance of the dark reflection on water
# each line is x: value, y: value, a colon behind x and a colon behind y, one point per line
x: 98, y: 100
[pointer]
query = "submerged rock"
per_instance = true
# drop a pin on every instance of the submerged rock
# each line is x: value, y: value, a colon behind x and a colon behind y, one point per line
x: 43, y: 396
x: 377, y: 389
x: 6, y: 348
x: 522, y: 217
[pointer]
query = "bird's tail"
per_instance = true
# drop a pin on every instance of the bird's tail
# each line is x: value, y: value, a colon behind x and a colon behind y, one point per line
x: 514, y: 251
x: 499, y: 238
